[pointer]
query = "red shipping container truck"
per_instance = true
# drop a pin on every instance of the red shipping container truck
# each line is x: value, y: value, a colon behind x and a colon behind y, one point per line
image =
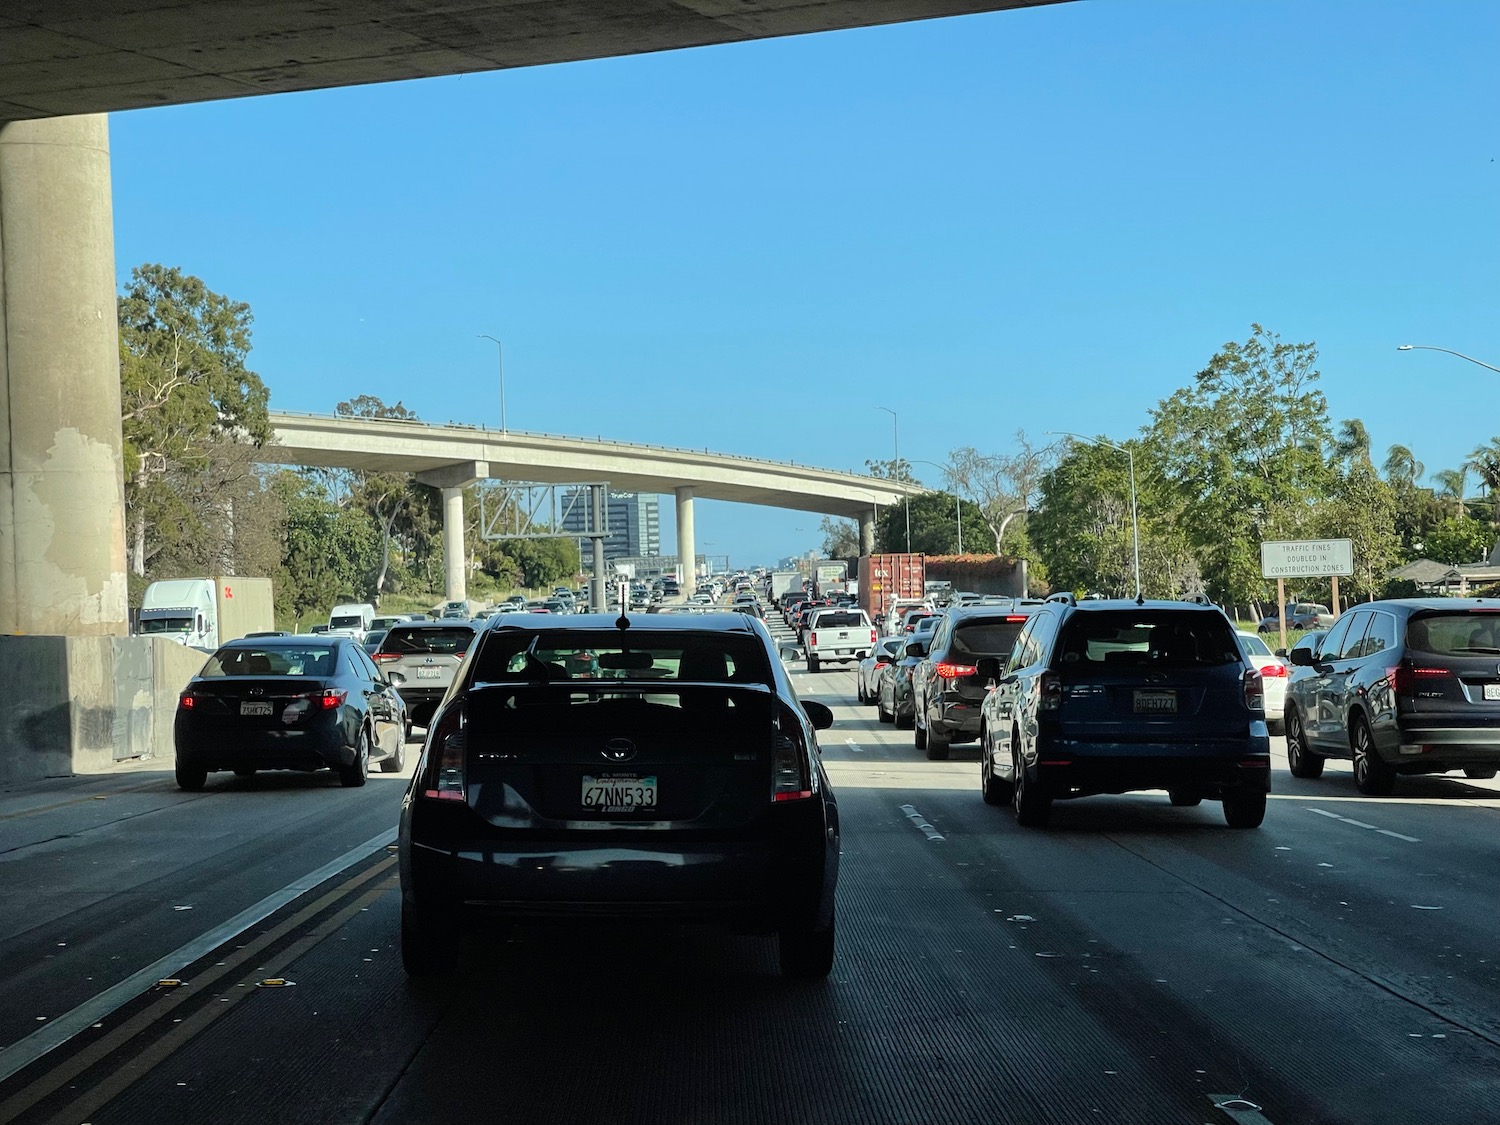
x: 885, y: 578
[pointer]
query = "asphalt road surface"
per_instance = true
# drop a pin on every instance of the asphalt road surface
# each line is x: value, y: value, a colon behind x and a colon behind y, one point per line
x: 1133, y: 962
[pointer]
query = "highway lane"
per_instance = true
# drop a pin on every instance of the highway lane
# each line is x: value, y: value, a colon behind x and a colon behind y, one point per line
x: 1123, y: 965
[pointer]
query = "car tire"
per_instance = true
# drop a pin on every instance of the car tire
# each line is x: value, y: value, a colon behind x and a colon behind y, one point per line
x: 1244, y: 809
x: 907, y: 723
x: 1476, y: 773
x: 1372, y: 776
x: 1299, y: 759
x: 806, y: 954
x: 937, y: 746
x: 859, y: 688
x: 1032, y: 805
x: 356, y: 772
x: 1184, y: 798
x: 396, y: 762
x: 1275, y: 726
x: 190, y: 778
x: 813, y: 664
x: 881, y: 713
x: 991, y: 788
x: 427, y: 948
x: 406, y: 736
x: 919, y: 732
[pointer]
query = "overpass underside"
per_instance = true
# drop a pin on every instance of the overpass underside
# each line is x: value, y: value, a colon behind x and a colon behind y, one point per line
x: 66, y: 63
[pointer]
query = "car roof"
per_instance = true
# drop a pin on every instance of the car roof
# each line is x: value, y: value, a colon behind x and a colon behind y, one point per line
x: 728, y: 621
x: 960, y: 613
x: 289, y: 640
x: 419, y: 626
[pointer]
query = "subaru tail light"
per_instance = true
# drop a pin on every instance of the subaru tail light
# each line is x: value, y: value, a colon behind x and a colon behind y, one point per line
x: 1255, y: 690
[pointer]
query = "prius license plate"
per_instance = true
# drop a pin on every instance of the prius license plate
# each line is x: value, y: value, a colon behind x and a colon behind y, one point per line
x: 1155, y: 702
x: 255, y: 708
x: 614, y: 794
x: 429, y: 673
x: 1492, y: 691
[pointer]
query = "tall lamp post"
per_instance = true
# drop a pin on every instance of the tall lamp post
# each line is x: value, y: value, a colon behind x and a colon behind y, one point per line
x: 958, y: 505
x: 500, y: 360
x: 896, y: 469
x: 1135, y: 527
x: 1449, y: 351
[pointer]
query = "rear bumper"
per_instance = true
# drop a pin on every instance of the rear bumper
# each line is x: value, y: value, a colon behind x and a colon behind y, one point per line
x: 957, y: 717
x: 753, y: 884
x: 1078, y: 769
x: 264, y: 750
x: 1433, y: 747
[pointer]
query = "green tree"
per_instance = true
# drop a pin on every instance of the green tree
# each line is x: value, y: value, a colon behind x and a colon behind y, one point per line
x: 1242, y: 448
x: 1003, y: 485
x: 840, y: 538
x: 543, y: 562
x: 1485, y: 461
x: 1451, y: 485
x: 891, y: 470
x: 1458, y: 539
x: 934, y: 524
x: 187, y: 399
x: 329, y: 547
x: 1364, y: 512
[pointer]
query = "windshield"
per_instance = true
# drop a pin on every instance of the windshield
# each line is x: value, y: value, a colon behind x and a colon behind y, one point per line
x: 346, y: 622
x: 165, y: 625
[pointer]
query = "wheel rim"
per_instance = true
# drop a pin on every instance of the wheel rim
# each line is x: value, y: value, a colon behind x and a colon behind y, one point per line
x: 1294, y: 739
x: 1018, y: 779
x: 1361, y: 753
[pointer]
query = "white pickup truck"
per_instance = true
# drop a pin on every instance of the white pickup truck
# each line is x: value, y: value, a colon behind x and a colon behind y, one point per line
x: 842, y: 636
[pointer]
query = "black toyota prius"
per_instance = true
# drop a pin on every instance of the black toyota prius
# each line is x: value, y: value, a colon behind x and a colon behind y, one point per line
x: 642, y: 768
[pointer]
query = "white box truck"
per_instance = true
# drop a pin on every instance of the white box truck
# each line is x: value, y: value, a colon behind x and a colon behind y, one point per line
x: 206, y: 612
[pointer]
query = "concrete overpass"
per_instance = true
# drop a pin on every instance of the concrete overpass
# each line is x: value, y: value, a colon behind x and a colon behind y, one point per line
x: 62, y: 513
x: 450, y: 457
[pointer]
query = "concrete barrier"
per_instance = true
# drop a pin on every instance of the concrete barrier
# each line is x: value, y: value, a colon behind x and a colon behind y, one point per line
x: 86, y: 704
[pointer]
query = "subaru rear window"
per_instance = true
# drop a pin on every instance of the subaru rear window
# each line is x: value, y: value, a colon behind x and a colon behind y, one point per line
x: 1455, y: 634
x: 1160, y: 638
x: 452, y: 641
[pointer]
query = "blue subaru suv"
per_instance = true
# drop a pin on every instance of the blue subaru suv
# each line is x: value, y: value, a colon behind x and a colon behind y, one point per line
x: 1120, y: 696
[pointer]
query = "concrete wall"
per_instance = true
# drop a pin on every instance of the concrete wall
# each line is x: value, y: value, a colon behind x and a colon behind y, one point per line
x: 83, y: 704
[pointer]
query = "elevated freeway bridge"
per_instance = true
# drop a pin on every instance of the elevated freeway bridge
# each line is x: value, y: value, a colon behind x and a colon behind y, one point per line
x: 452, y: 456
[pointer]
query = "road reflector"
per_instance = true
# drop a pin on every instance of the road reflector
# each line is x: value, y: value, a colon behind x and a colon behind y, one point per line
x: 169, y: 982
x: 276, y: 982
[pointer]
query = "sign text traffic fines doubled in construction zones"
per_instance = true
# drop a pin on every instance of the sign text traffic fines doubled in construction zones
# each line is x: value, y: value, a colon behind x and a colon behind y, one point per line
x: 1307, y: 558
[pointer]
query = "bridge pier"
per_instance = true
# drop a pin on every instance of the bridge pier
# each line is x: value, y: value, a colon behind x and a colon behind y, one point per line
x: 867, y: 534
x: 452, y: 480
x: 62, y: 485
x: 687, y: 546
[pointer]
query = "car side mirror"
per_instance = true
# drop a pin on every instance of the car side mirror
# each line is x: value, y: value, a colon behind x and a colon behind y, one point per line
x: 1303, y: 657
x: 395, y: 679
x: 988, y: 668
x: 916, y: 648
x: 790, y: 653
x: 820, y: 715
x: 1281, y: 654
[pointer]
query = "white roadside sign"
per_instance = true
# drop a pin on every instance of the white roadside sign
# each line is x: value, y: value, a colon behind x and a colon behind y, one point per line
x: 1307, y: 558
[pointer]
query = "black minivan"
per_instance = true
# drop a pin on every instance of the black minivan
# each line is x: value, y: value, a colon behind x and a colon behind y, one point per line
x: 1408, y: 686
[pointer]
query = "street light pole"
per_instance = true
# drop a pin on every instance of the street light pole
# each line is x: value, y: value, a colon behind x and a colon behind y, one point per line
x: 896, y: 469
x: 1135, y: 526
x: 500, y: 360
x: 1450, y: 351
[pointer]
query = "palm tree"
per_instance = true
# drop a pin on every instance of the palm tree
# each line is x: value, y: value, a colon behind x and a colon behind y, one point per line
x: 1485, y: 461
x: 1401, y: 466
x: 1353, y: 442
x: 1451, y: 484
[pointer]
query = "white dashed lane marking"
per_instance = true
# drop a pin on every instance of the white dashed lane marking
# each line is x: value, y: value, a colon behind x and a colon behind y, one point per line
x: 1362, y: 824
x: 916, y: 818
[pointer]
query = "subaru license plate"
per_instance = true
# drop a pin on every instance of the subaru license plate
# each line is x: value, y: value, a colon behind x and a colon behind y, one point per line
x: 255, y: 708
x: 1155, y: 702
x: 615, y: 794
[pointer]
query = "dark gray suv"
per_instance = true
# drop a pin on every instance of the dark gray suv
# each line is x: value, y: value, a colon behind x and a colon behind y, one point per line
x: 1120, y: 696
x: 947, y: 688
x: 1408, y: 686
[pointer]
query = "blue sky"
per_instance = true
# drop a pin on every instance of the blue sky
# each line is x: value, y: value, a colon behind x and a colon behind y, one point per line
x: 1045, y: 219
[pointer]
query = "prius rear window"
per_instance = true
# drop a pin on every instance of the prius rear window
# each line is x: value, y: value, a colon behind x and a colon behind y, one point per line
x: 509, y: 657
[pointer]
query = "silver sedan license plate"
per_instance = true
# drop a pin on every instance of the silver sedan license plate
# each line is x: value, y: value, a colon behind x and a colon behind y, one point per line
x: 1155, y: 702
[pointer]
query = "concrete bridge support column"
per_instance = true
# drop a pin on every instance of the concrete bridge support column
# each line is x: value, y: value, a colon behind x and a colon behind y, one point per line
x: 867, y: 534
x: 455, y: 561
x: 687, y: 544
x: 62, y: 490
